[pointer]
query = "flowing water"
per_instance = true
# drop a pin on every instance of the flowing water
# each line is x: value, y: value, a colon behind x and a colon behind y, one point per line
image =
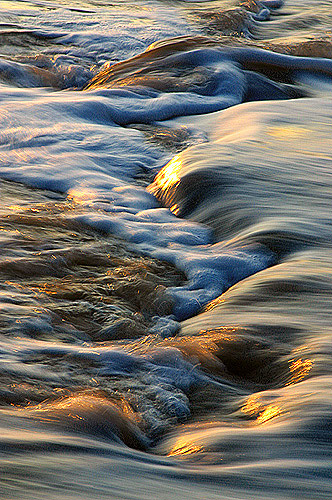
x: 166, y: 255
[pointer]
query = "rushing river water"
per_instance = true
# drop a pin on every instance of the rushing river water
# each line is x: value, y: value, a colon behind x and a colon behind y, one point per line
x: 166, y: 249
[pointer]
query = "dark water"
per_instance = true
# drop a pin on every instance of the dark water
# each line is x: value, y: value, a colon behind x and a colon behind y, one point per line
x: 166, y: 258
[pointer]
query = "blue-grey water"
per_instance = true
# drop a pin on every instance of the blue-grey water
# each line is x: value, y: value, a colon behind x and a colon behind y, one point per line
x: 166, y: 256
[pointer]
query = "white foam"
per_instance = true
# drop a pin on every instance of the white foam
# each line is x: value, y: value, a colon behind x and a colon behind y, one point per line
x: 67, y: 142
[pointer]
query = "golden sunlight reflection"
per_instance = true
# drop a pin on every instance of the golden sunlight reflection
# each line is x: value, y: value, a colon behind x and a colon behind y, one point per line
x: 214, y: 303
x: 287, y: 132
x: 299, y: 370
x: 270, y: 412
x: 82, y: 195
x: 15, y: 208
x: 167, y: 178
x: 51, y: 411
x: 254, y: 408
x: 183, y: 447
x: 50, y: 288
x: 77, y: 407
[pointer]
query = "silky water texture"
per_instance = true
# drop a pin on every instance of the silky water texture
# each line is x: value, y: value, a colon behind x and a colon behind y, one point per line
x: 166, y: 255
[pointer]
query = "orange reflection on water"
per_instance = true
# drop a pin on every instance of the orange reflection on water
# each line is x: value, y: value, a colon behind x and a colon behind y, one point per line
x: 167, y: 178
x: 271, y: 411
x: 16, y: 207
x: 49, y: 288
x: 214, y: 303
x: 262, y: 413
x: 299, y: 369
x: 252, y: 405
x: 183, y: 447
